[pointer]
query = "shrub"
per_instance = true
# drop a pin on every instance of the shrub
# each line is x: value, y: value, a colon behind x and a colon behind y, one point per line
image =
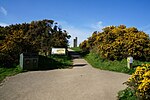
x: 84, y: 46
x: 37, y: 36
x: 140, y: 82
x: 119, y: 42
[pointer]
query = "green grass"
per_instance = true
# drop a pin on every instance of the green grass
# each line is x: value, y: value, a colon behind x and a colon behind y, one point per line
x: 4, y: 72
x: 117, y: 66
x: 77, y: 49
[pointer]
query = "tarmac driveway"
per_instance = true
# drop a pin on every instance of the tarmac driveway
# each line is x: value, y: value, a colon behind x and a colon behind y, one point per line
x: 82, y: 82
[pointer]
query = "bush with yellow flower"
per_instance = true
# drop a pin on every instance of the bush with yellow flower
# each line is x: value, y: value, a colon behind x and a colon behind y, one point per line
x: 140, y: 82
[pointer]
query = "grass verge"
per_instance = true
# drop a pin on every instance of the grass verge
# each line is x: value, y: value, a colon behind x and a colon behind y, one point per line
x: 103, y: 64
x: 118, y: 66
x: 77, y: 49
x: 4, y: 72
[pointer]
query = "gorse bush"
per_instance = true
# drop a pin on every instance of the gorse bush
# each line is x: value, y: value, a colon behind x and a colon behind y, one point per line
x: 37, y: 36
x: 119, y: 42
x: 140, y: 82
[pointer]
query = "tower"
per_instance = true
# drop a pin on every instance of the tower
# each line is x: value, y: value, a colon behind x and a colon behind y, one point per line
x: 75, y: 42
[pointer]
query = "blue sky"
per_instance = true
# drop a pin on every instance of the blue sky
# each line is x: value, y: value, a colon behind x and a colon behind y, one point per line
x: 79, y: 17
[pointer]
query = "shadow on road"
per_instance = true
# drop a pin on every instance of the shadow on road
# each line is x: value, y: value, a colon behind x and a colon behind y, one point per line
x: 76, y: 57
x: 74, y: 54
x: 79, y: 65
x: 47, y: 63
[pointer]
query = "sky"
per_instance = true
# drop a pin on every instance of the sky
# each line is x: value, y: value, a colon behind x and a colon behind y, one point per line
x: 80, y: 18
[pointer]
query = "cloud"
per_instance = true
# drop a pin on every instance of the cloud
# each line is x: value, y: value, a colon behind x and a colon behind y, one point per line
x: 97, y: 26
x: 3, y: 24
x: 3, y: 11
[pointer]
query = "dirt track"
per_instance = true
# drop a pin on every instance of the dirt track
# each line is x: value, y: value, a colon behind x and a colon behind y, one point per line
x: 79, y: 83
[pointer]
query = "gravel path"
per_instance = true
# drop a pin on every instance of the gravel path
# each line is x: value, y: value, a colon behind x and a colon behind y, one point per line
x: 82, y: 82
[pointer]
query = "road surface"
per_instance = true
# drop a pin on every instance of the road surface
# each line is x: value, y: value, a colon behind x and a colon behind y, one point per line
x: 82, y: 82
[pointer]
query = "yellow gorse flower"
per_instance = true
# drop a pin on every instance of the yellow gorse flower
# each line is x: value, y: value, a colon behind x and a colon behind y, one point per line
x: 140, y: 80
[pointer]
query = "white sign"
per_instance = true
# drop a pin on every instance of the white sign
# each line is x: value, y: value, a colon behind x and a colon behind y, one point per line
x: 130, y: 59
x: 58, y: 51
x: 129, y: 62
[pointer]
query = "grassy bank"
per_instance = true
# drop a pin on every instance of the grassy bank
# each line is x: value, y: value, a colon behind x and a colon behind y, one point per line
x: 118, y: 66
x: 45, y: 63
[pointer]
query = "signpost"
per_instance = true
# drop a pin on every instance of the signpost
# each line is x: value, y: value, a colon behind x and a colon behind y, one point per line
x: 129, y: 62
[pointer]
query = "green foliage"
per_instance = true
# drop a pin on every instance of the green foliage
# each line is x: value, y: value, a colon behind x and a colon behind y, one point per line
x: 127, y: 94
x: 119, y: 42
x: 37, y: 36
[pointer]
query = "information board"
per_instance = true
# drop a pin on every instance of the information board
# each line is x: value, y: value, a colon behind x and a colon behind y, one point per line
x: 59, y: 51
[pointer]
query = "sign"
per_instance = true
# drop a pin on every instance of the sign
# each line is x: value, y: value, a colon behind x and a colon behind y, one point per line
x: 129, y: 62
x: 59, y: 51
x: 130, y: 59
